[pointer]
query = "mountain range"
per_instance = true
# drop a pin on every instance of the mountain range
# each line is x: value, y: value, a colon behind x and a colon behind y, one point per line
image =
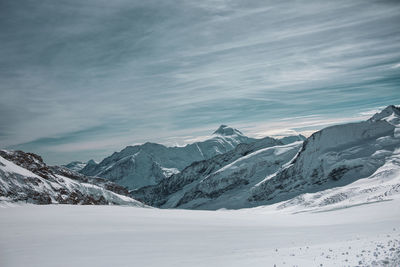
x: 258, y: 174
x: 150, y: 163
x: 348, y: 163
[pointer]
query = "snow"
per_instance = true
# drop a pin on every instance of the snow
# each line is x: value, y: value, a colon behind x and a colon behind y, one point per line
x: 16, y: 185
x: 225, y: 130
x: 231, y: 184
x: 147, y: 164
x: 337, y: 156
x: 169, y: 171
x: 64, y: 235
x: 77, y: 165
x: 391, y: 114
x: 10, y: 167
x: 382, y: 185
x: 341, y: 189
x: 332, y: 158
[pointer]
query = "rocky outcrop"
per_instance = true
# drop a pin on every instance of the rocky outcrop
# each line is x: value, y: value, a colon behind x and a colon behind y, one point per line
x: 24, y: 177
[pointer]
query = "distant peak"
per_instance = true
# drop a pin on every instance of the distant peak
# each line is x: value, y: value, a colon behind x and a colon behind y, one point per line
x: 393, y: 108
x: 227, y: 131
x: 91, y: 162
x: 386, y: 112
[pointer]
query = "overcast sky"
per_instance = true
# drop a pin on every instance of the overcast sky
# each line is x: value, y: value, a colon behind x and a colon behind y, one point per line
x: 80, y: 79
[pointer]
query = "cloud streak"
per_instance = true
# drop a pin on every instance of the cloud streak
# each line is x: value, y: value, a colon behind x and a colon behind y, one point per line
x: 96, y: 75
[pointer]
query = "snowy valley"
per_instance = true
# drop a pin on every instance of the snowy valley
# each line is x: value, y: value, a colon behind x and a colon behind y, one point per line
x: 331, y: 199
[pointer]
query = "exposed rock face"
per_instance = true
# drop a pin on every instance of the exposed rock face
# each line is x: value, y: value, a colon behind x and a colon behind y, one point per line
x: 29, y: 161
x: 35, y: 164
x: 106, y: 184
x: 25, y: 177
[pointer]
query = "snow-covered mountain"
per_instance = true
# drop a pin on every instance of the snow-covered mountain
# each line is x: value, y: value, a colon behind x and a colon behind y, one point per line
x: 228, y: 175
x: 148, y: 164
x: 24, y: 177
x: 76, y: 165
x: 350, y: 163
x: 338, y: 156
x: 341, y: 163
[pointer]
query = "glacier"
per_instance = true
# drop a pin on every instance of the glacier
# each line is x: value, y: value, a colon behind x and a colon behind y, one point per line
x: 66, y: 235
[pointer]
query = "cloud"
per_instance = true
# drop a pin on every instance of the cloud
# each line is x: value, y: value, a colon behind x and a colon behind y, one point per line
x: 96, y: 76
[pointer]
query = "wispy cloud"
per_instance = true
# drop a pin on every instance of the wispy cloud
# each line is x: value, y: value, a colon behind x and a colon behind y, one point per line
x: 96, y: 76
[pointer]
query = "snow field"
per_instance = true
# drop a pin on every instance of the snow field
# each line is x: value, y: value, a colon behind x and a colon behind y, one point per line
x: 64, y: 235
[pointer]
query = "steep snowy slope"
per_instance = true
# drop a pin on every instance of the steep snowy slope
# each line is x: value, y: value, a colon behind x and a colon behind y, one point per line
x: 382, y: 185
x: 334, y: 158
x: 210, y: 181
x: 33, y: 181
x: 148, y: 164
x: 104, y: 183
x: 229, y: 186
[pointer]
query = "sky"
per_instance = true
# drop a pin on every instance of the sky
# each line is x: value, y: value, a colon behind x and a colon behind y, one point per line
x: 82, y: 79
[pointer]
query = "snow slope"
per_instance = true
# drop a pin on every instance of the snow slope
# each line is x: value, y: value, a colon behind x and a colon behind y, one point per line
x: 18, y: 184
x: 338, y: 156
x: 63, y: 235
x: 382, y: 185
x: 148, y: 164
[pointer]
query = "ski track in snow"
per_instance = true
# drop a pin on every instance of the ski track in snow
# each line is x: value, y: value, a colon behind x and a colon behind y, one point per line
x: 64, y: 235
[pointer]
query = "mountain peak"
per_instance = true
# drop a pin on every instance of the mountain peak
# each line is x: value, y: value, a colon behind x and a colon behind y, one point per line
x: 392, y: 108
x: 390, y: 113
x: 91, y: 162
x: 227, y: 131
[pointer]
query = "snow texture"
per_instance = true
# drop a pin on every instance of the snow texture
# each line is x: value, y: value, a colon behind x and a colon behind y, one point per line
x: 63, y: 235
